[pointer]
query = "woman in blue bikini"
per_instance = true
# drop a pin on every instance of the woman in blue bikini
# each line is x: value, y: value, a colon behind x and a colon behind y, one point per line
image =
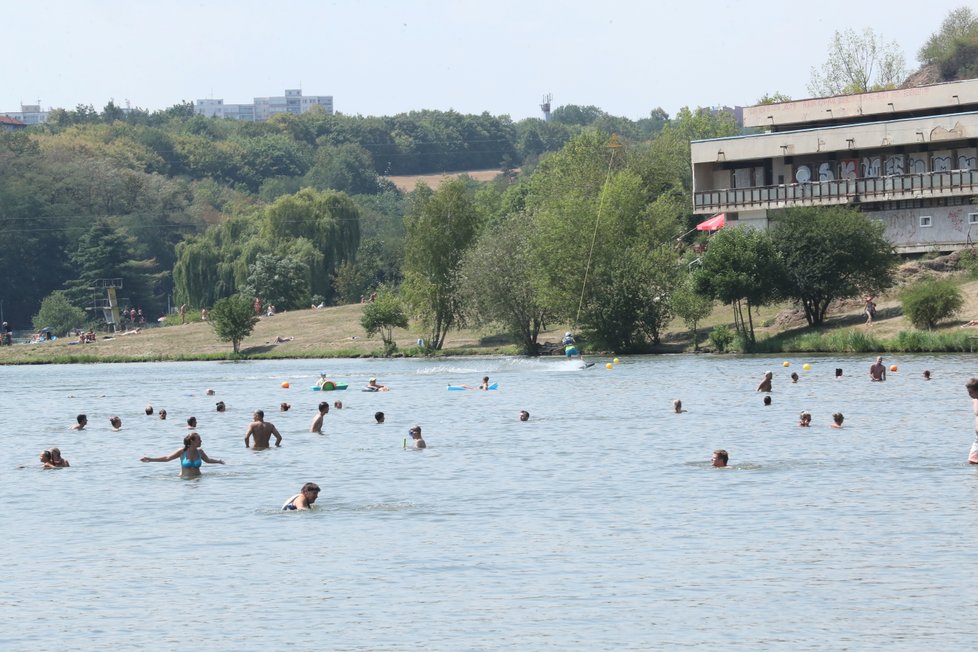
x: 191, y: 457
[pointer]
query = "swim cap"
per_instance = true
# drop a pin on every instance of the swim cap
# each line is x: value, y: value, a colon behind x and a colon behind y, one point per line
x: 567, y: 334
x: 372, y: 380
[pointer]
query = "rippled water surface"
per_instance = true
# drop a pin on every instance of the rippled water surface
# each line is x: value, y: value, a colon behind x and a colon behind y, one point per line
x: 598, y: 524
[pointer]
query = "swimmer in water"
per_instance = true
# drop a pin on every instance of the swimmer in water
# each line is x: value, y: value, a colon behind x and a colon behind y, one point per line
x: 877, y: 372
x: 162, y: 415
x: 304, y: 499
x: 379, y: 417
x: 837, y: 420
x: 220, y: 407
x: 116, y: 423
x: 415, y: 433
x: 191, y: 456
x: 57, y: 461
x: 485, y: 383
x: 192, y: 423
x: 677, y: 406
x: 284, y: 407
x: 148, y: 410
x: 926, y: 374
x: 765, y: 385
x: 805, y: 419
x: 972, y: 387
x: 373, y: 386
x: 524, y: 415
x: 767, y: 400
x: 794, y: 377
x: 338, y: 405
x: 262, y: 431
x: 720, y: 458
x: 81, y: 422
x: 317, y: 423
x: 46, y: 460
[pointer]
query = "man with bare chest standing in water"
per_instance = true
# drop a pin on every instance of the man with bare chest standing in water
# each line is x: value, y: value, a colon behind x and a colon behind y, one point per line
x: 262, y: 431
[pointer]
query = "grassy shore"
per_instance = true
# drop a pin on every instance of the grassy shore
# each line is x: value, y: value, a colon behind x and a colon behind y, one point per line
x: 336, y: 333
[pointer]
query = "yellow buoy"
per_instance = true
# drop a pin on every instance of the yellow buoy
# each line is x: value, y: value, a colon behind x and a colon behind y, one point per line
x: 806, y: 367
x: 616, y: 360
x: 785, y: 364
x: 285, y: 385
x: 609, y: 366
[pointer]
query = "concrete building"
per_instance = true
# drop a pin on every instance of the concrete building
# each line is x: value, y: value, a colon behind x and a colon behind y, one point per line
x: 907, y: 157
x: 29, y: 114
x: 264, y: 107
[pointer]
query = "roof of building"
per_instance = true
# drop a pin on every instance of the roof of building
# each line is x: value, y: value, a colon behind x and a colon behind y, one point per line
x: 11, y: 121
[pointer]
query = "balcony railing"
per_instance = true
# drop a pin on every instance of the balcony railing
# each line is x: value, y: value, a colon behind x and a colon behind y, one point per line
x: 841, y: 191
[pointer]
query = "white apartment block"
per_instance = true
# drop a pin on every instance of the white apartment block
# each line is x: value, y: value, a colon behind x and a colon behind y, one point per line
x: 906, y: 157
x: 264, y: 107
x: 29, y: 114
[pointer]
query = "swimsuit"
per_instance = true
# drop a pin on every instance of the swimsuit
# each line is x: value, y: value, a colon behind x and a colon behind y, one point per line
x: 187, y: 463
x: 290, y: 505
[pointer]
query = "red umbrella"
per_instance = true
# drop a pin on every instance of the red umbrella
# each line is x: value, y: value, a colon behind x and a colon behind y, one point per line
x: 715, y: 223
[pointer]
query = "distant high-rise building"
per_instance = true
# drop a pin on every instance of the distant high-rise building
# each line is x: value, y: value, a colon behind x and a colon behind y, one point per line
x: 264, y: 107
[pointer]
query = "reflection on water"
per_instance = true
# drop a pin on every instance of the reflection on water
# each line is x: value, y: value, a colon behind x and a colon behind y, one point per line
x: 597, y: 524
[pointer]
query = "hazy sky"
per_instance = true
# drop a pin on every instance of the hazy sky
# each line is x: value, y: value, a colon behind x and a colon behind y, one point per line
x: 381, y: 57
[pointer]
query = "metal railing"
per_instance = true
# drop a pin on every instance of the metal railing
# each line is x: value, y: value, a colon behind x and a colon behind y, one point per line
x: 840, y: 191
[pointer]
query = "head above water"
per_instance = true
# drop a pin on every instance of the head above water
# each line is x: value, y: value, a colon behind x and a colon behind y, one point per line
x: 148, y: 410
x: 191, y: 422
x: 379, y: 416
x: 720, y: 457
x: 220, y: 407
x: 163, y: 415
x: 524, y: 415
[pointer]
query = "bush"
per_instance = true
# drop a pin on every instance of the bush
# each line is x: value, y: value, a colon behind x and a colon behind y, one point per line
x: 383, y: 315
x: 929, y: 302
x: 721, y: 337
x: 58, y: 314
x: 233, y: 319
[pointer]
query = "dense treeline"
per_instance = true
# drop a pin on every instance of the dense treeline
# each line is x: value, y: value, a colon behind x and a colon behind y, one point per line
x: 155, y: 198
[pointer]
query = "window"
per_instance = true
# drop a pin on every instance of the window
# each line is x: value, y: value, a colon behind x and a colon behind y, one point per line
x: 925, y: 220
x: 972, y: 218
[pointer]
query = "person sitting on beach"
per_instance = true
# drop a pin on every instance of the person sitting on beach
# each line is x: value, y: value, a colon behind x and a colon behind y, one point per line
x: 304, y: 499
x: 162, y: 415
x: 82, y: 421
x: 57, y: 461
x: 116, y: 423
x: 191, y: 456
x: 677, y: 406
x: 720, y: 458
x: 279, y: 339
x: 372, y: 386
x: 837, y: 420
x: 524, y: 415
x: 379, y: 417
x: 262, y: 431
x: 220, y: 407
x: 317, y: 423
x: 765, y: 385
x: 877, y: 372
x: 192, y: 423
x: 415, y: 433
x: 805, y: 419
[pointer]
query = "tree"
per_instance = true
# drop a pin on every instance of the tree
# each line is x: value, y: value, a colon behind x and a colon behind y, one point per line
x: 830, y: 253
x: 279, y: 281
x: 959, y: 26
x: 441, y: 226
x: 857, y: 63
x: 58, y: 314
x: 929, y: 302
x: 691, y: 306
x: 233, y: 319
x: 740, y: 267
x: 774, y: 98
x: 495, y: 275
x: 383, y: 315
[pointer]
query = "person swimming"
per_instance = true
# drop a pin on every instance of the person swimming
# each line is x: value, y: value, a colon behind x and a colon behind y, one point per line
x: 304, y: 499
x: 191, y: 456
x: 720, y: 458
x: 415, y: 433
x: 805, y: 419
x: 524, y: 415
x: 837, y: 419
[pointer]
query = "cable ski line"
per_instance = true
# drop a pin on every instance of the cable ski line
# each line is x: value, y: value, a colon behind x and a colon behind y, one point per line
x: 614, y: 145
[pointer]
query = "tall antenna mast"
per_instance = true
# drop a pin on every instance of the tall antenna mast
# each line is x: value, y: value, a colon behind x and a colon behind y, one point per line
x: 545, y: 106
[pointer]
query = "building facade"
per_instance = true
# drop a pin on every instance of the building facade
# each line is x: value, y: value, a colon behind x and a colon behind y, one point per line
x: 264, y: 107
x: 906, y: 157
x: 11, y: 124
x: 29, y: 114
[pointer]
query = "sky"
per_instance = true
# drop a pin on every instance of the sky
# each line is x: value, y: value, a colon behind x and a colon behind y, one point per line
x: 383, y: 57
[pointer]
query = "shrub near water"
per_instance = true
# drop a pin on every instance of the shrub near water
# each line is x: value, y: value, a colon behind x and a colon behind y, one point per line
x: 929, y: 302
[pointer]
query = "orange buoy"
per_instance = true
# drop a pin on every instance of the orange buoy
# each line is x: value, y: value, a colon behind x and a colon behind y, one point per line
x: 285, y: 385
x: 893, y: 367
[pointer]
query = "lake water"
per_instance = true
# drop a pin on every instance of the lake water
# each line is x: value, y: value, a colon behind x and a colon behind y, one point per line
x: 597, y: 525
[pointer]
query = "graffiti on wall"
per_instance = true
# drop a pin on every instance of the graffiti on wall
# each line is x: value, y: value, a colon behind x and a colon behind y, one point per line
x: 848, y: 168
x: 871, y: 166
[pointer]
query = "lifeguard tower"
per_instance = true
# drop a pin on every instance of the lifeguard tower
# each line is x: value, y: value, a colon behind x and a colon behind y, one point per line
x: 109, y: 304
